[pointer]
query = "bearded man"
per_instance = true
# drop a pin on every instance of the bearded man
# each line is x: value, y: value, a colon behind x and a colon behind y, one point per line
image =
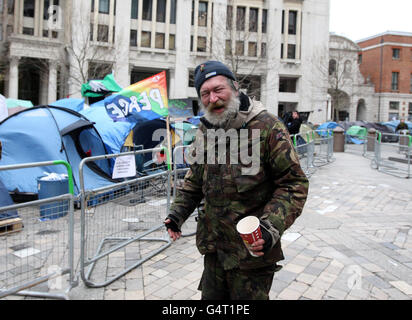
x: 275, y: 190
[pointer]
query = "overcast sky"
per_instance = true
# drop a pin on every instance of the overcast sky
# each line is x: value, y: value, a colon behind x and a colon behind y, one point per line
x: 358, y: 19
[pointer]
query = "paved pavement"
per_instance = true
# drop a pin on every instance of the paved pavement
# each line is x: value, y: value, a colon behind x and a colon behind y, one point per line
x: 352, y: 241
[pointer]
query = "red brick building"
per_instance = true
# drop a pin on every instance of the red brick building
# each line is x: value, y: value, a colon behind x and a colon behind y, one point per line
x: 386, y: 59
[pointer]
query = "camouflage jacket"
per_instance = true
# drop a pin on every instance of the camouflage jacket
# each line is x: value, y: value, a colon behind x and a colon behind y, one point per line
x: 275, y: 191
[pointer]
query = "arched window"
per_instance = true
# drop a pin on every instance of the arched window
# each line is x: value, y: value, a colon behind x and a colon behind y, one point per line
x: 332, y: 66
x: 348, y: 66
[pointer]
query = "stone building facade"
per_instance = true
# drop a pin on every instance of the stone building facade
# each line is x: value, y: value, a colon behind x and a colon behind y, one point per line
x: 49, y: 47
x: 352, y: 96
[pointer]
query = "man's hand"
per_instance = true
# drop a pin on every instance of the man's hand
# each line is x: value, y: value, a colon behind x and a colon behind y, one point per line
x: 173, y: 234
x: 261, y: 246
x: 257, y: 247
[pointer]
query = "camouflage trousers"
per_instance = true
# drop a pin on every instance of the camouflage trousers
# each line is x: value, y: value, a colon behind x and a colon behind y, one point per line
x: 236, y: 284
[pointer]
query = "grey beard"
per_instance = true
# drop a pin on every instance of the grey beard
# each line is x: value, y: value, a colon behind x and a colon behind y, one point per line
x: 220, y: 120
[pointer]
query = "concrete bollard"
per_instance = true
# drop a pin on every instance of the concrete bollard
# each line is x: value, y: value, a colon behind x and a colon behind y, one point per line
x: 338, y: 140
x: 370, y: 146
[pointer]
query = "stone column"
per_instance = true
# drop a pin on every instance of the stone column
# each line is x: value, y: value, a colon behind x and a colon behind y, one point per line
x: 122, y: 43
x: 52, y: 83
x: 80, y: 24
x: 219, y: 29
x: 271, y: 88
x: 179, y: 82
x: 14, y: 78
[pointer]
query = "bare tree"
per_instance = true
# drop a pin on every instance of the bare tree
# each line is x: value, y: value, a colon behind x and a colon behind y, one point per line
x: 241, y: 46
x: 340, y: 84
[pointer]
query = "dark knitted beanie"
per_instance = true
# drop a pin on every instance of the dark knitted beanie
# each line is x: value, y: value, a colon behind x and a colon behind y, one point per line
x: 208, y: 70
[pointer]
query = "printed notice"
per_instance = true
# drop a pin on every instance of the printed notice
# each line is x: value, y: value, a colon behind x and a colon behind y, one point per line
x: 124, y: 166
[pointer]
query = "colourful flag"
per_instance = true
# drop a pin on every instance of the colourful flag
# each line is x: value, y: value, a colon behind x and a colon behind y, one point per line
x: 144, y: 100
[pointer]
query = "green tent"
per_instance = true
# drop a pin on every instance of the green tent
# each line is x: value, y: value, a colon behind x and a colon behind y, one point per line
x: 100, y: 88
x: 357, y: 131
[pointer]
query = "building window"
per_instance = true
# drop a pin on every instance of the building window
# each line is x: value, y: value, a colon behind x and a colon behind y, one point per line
x: 332, y: 66
x: 253, y: 19
x: 410, y: 89
x: 172, y: 42
x: 396, y: 54
x: 348, y: 66
x: 291, y: 51
x: 47, y: 4
x: 287, y: 84
x: 201, y: 44
x: 395, y: 81
x: 264, y: 20
x: 104, y: 6
x: 46, y: 10
x: 173, y: 11
x: 228, y: 48
x: 102, y: 33
x: 161, y: 11
x: 146, y: 39
x: 360, y: 58
x: 160, y: 41
x: 133, y: 38
x: 240, y: 48
x: 292, y: 22
x: 28, y: 31
x: 229, y: 17
x: 202, y: 14
x: 191, y: 79
x: 240, y: 18
x: 10, y: 6
x: 135, y: 9
x: 393, y: 116
x: 410, y: 112
x: 28, y: 10
x: 147, y: 10
x: 263, y: 50
x: 283, y: 21
x: 394, y: 105
x: 252, y: 49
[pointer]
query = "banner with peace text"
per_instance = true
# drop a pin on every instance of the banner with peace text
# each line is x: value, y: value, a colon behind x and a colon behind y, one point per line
x: 144, y: 100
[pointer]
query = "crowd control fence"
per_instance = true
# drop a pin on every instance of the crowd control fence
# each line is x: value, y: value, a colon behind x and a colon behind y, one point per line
x: 323, y: 147
x: 393, y: 158
x: 36, y: 243
x: 127, y: 228
x: 305, y: 147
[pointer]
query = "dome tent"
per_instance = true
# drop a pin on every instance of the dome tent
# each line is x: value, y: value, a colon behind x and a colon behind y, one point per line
x: 48, y: 133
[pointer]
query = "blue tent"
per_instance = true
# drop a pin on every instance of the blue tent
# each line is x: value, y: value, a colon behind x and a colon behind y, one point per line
x: 5, y: 200
x: 321, y: 130
x: 47, y: 133
x: 70, y: 103
x: 113, y: 133
x: 393, y: 124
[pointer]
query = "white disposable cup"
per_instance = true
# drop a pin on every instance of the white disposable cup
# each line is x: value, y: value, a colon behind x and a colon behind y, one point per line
x: 249, y: 230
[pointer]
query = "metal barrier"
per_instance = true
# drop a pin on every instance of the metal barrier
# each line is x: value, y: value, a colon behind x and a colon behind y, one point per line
x: 36, y: 243
x: 393, y: 158
x: 359, y: 148
x: 323, y: 147
x: 117, y: 230
x: 305, y: 150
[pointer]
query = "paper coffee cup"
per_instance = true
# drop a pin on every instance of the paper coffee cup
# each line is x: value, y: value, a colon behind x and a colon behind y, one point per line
x: 249, y: 230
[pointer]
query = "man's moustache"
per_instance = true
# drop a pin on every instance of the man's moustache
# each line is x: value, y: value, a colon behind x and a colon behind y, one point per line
x: 217, y: 104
